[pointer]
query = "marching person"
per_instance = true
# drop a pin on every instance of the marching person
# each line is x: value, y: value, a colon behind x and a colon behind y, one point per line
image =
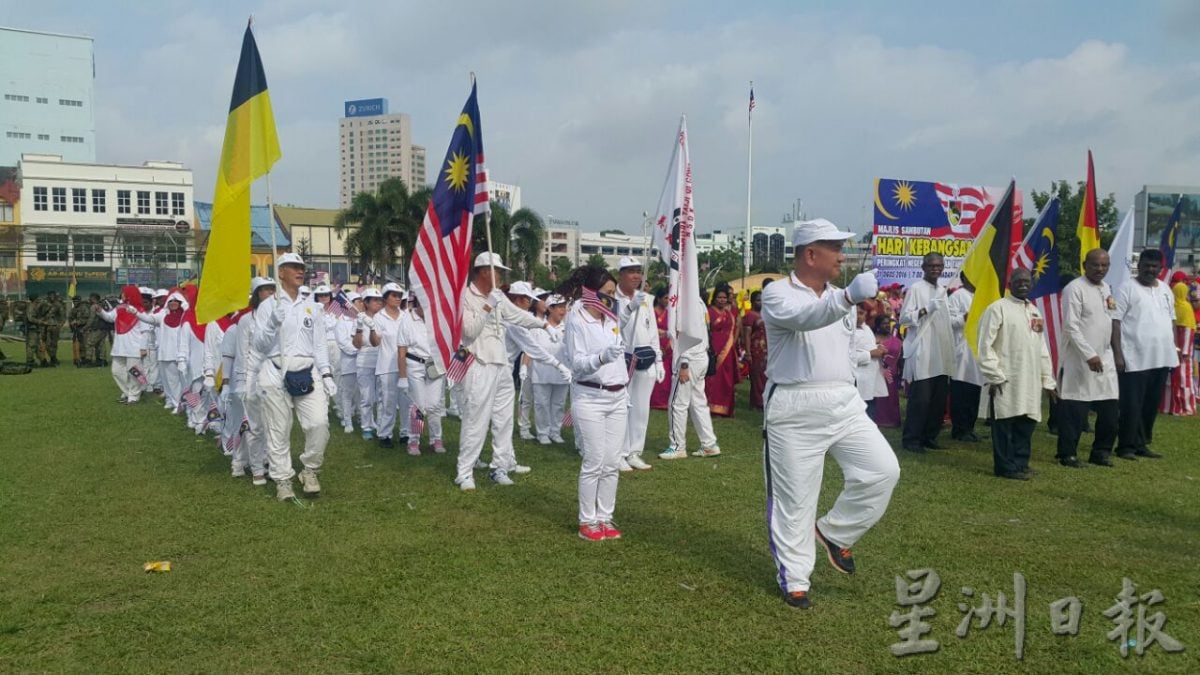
x: 813, y: 408
x: 251, y: 453
x: 344, y: 331
x: 153, y: 373
x: 521, y: 343
x: 366, y: 360
x: 169, y: 327
x: 966, y: 384
x: 524, y: 372
x: 393, y: 397
x: 1179, y: 398
x: 486, y: 392
x: 190, y: 363
x: 1015, y: 364
x: 689, y: 399
x: 295, y: 376
x: 639, y: 332
x: 426, y: 387
x: 127, y: 343
x: 1088, y: 377
x: 1144, y: 351
x: 551, y: 385
x: 323, y: 295
x: 599, y: 399
x: 928, y: 356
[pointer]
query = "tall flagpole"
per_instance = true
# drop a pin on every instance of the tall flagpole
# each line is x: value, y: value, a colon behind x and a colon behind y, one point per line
x: 271, y: 217
x: 749, y: 169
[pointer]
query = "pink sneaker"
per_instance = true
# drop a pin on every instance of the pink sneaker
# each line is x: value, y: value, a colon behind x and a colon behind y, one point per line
x: 610, y: 531
x: 591, y: 532
x: 438, y: 447
x: 414, y: 448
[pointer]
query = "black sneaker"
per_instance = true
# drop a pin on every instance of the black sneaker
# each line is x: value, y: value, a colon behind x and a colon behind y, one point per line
x: 1100, y: 461
x: 969, y: 437
x: 1127, y: 455
x: 841, y: 558
x: 1020, y: 475
x: 403, y: 440
x: 914, y: 448
x: 1072, y: 462
x: 386, y: 443
x: 1148, y: 454
x: 933, y: 445
x: 798, y: 599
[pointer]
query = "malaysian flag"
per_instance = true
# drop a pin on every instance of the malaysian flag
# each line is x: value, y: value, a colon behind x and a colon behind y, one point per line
x: 605, y: 304
x: 138, y: 375
x: 416, y: 421
x: 192, y: 399
x: 750, y: 113
x: 460, y: 363
x: 214, y: 413
x: 232, y: 443
x: 568, y: 419
x: 1039, y: 255
x: 442, y: 255
x: 341, y: 307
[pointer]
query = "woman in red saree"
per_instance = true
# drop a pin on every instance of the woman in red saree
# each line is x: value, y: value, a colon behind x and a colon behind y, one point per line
x: 660, y: 397
x: 754, y: 343
x: 722, y: 340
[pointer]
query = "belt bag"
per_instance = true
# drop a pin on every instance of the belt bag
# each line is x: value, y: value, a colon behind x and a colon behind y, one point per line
x: 298, y: 382
x: 642, y: 358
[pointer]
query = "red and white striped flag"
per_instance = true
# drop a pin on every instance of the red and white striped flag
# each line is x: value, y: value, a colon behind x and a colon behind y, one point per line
x: 192, y: 399
x: 341, y: 307
x: 460, y: 363
x: 416, y: 421
x: 568, y: 419
x: 441, y: 257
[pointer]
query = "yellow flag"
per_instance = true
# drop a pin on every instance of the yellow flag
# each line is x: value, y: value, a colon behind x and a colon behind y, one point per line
x: 986, y: 265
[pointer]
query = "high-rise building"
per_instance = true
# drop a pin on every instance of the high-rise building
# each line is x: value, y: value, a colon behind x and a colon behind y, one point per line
x: 47, y: 85
x: 375, y: 146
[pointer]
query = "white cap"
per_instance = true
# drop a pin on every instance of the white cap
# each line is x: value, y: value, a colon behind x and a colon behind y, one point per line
x: 290, y: 259
x: 258, y: 282
x: 351, y: 296
x: 145, y: 290
x: 371, y: 292
x: 393, y: 287
x: 819, y: 229
x: 522, y: 288
x: 305, y: 290
x: 540, y: 292
x: 487, y: 259
x: 160, y: 293
x: 628, y: 261
x: 555, y: 299
x: 177, y: 297
x: 323, y: 289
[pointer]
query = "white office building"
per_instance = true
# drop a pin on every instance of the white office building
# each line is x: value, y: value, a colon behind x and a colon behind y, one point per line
x: 374, y: 146
x: 507, y: 195
x: 104, y: 225
x: 47, y: 89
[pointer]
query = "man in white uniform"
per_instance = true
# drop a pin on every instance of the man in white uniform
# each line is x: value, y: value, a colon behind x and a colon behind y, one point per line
x: 426, y: 386
x: 1144, y: 351
x: 486, y: 393
x: 966, y: 383
x: 813, y: 408
x: 639, y: 331
x: 366, y: 360
x: 928, y: 356
x: 1088, y: 371
x: 292, y: 340
x: 348, y: 356
x: 1015, y: 363
x: 393, y: 399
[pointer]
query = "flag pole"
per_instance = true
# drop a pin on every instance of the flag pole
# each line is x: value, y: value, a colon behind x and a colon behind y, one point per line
x: 271, y: 217
x: 749, y: 170
x: 487, y: 222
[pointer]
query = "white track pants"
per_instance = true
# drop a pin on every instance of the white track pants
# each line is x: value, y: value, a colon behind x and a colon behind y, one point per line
x: 393, y: 404
x: 150, y: 365
x: 486, y: 397
x: 641, y: 385
x: 348, y: 391
x: 600, y: 423
x: 172, y: 381
x: 199, y: 414
x: 689, y: 398
x: 126, y: 382
x: 335, y: 369
x: 312, y: 411
x: 549, y: 404
x: 367, y: 398
x: 252, y: 453
x: 429, y: 396
x: 803, y: 422
x: 525, y: 406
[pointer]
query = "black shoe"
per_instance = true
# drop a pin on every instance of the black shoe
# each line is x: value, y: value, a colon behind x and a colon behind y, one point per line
x: 933, y: 445
x: 798, y: 599
x: 1020, y: 475
x: 914, y: 448
x: 1100, y: 461
x: 1072, y: 462
x: 386, y: 443
x: 841, y: 558
x: 969, y: 437
x: 403, y: 440
x: 1127, y: 455
x: 1148, y: 454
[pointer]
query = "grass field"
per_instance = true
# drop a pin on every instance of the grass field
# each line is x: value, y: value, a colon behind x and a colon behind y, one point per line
x: 393, y: 569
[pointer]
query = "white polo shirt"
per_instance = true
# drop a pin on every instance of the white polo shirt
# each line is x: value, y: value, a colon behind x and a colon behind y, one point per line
x: 1147, y: 316
x: 809, y: 337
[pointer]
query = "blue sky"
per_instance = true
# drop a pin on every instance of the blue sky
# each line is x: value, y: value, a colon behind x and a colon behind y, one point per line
x: 580, y: 101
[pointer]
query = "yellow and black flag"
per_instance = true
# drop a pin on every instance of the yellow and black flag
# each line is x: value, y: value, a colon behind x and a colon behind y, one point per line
x: 987, y: 264
x: 251, y: 147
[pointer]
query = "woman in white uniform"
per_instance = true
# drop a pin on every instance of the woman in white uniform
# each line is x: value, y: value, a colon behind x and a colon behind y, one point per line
x: 252, y: 451
x: 387, y: 370
x: 426, y: 387
x: 365, y: 361
x: 348, y: 366
x: 550, y: 386
x: 599, y: 400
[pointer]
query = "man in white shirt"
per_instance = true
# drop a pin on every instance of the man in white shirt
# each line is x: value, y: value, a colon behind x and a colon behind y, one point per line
x: 813, y: 408
x: 1088, y: 373
x: 295, y: 375
x: 486, y: 392
x: 966, y: 383
x: 688, y: 398
x: 928, y: 356
x: 639, y: 330
x: 1145, y: 352
x: 1015, y: 363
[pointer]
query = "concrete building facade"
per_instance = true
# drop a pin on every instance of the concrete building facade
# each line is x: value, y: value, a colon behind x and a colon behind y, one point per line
x: 375, y: 145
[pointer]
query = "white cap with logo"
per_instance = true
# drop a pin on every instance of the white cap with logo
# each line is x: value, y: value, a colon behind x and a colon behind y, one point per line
x: 819, y: 229
x: 323, y: 289
x: 371, y: 292
x: 259, y: 282
x: 393, y: 287
x: 290, y: 259
x: 628, y: 261
x: 522, y: 288
x: 488, y: 259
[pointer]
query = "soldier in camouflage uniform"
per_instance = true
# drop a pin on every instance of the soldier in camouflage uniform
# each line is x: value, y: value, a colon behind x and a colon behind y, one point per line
x: 52, y: 325
x: 33, y: 330
x: 81, y: 314
x: 97, y: 329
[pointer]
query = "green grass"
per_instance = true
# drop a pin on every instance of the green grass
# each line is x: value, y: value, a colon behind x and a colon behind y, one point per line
x: 393, y: 569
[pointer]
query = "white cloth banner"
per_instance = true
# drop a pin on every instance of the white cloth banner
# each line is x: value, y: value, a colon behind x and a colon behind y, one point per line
x: 1120, y: 254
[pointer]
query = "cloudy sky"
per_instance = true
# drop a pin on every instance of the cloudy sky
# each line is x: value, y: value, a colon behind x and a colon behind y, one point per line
x: 580, y: 100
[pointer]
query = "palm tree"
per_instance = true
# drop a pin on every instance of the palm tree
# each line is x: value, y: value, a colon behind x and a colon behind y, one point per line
x: 388, y: 221
x: 517, y: 237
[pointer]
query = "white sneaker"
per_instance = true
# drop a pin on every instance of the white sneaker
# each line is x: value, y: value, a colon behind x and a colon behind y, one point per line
x: 544, y: 440
x: 521, y: 468
x: 467, y: 486
x: 259, y: 479
x: 624, y: 467
x: 283, y: 491
x: 414, y: 448
x: 527, y: 435
x: 557, y: 439
x: 167, y: 406
x: 707, y: 452
x: 309, y: 482
x: 637, y: 462
x: 480, y: 464
x: 500, y: 477
x: 238, y: 471
x: 673, y: 453
x: 348, y: 429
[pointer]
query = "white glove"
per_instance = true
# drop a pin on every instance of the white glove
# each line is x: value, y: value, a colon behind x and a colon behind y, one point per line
x: 564, y: 371
x: 330, y: 386
x: 523, y: 372
x: 864, y: 287
x: 210, y: 383
x: 612, y: 353
x: 659, y: 372
x: 279, y: 313
x: 369, y: 323
x: 496, y: 297
x: 638, y: 298
x: 361, y: 322
x: 181, y: 365
x: 402, y: 383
